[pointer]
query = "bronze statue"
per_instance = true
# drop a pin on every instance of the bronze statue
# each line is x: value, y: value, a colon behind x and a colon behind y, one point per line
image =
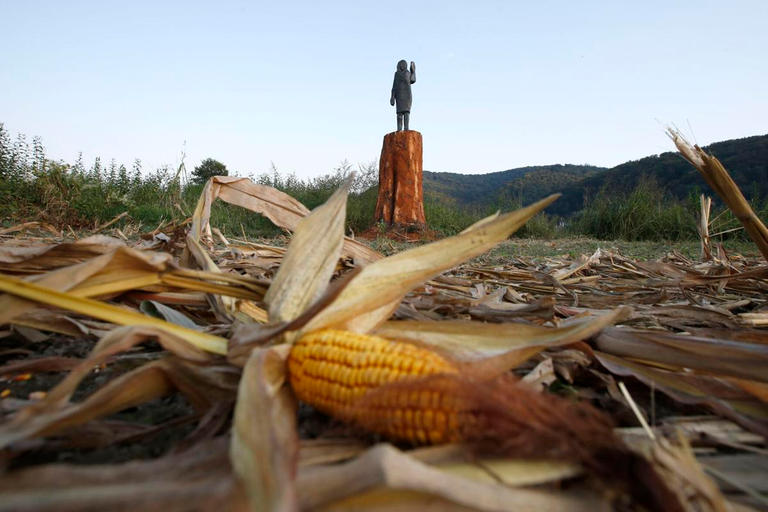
x: 401, y: 92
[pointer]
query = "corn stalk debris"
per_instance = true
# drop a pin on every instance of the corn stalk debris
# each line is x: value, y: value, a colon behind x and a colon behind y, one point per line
x: 205, y: 373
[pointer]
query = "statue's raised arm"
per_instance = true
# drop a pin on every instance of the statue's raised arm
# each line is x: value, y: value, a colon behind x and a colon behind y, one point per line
x: 401, y: 92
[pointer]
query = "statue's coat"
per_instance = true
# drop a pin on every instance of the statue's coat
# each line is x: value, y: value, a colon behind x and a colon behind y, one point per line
x: 401, y: 87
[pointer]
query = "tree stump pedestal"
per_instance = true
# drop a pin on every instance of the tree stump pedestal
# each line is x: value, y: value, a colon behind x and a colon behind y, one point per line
x: 400, y: 202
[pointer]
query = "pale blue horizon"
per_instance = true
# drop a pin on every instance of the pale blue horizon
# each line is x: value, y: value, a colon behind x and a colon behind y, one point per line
x: 305, y: 85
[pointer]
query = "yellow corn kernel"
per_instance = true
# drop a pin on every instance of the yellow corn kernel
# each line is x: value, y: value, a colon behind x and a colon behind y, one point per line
x: 429, y: 418
x: 333, y: 370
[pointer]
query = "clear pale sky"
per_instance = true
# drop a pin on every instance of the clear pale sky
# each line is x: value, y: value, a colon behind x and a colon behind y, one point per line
x: 306, y: 84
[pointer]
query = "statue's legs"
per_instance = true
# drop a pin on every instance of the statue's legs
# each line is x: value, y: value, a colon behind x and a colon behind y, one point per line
x: 399, y: 121
x: 406, y: 115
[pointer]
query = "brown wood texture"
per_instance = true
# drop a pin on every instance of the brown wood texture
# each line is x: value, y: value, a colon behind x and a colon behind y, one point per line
x: 401, y: 201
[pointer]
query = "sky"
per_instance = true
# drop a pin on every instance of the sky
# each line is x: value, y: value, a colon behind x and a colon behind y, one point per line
x: 306, y: 85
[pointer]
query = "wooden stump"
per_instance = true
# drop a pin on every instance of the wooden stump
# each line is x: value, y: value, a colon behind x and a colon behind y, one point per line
x: 401, y: 201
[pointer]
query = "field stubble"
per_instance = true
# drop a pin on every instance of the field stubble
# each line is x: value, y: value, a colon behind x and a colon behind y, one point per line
x: 583, y: 374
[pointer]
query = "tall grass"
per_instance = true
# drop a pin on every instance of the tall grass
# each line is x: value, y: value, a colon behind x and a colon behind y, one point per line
x: 448, y: 218
x: 645, y: 213
x: 64, y: 194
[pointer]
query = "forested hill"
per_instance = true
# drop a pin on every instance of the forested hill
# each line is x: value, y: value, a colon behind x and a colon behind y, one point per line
x: 746, y: 159
x: 532, y: 182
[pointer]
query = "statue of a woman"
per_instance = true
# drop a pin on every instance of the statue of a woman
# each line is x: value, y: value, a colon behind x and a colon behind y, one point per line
x: 401, y: 92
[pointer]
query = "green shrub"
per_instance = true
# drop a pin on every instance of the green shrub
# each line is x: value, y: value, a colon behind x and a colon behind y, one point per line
x: 360, y: 209
x: 446, y: 217
x: 150, y: 215
x: 540, y: 226
x: 646, y: 213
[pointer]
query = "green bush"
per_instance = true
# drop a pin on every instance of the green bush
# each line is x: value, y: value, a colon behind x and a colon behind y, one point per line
x: 446, y: 217
x: 541, y: 226
x: 646, y: 213
x: 360, y: 209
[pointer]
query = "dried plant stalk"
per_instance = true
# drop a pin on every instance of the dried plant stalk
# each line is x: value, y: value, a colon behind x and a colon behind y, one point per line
x: 722, y: 183
x: 703, y: 227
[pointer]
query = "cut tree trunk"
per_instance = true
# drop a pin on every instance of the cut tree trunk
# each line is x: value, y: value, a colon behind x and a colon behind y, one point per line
x: 401, y: 201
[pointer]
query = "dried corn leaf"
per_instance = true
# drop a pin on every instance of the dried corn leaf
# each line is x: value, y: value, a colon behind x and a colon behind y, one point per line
x: 376, y: 292
x: 176, y: 298
x: 470, y: 341
x: 264, y: 446
x: 108, y: 312
x: 724, y: 398
x: 116, y: 263
x: 123, y: 269
x: 30, y: 258
x: 514, y: 472
x: 39, y: 364
x: 158, y: 310
x: 329, y: 450
x: 224, y: 307
x: 283, y: 210
x: 252, y: 311
x: 195, y: 479
x: 126, y: 269
x: 141, y: 385
x: 24, y: 226
x: 310, y: 260
x: 247, y: 336
x: 55, y: 407
x: 203, y: 386
x: 384, y: 476
x: 756, y: 389
x: 50, y: 321
x: 164, y: 484
x: 717, y: 356
x: 240, y: 288
x: 578, y: 266
x: 686, y: 476
x: 383, y: 499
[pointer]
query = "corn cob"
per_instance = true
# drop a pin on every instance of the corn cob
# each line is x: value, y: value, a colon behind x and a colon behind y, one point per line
x: 381, y: 385
x: 413, y: 394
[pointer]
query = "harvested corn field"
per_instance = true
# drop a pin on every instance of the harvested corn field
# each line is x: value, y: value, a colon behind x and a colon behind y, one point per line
x: 191, y: 372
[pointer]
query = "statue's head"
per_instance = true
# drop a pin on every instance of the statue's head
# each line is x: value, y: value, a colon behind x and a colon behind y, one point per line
x: 402, y: 65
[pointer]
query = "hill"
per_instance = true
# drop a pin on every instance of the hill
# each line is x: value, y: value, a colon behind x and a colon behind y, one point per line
x: 485, y: 190
x: 746, y: 159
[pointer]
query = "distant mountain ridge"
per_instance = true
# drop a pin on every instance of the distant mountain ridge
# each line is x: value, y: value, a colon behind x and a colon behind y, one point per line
x: 746, y: 160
